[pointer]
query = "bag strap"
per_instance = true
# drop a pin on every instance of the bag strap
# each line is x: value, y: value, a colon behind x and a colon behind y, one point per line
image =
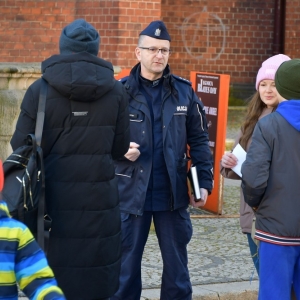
x: 38, y: 134
x: 41, y: 206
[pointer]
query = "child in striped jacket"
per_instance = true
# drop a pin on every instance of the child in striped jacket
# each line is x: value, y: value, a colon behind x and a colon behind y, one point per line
x: 22, y: 261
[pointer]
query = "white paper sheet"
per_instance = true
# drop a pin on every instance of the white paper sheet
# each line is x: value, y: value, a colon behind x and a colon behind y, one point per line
x: 240, y: 154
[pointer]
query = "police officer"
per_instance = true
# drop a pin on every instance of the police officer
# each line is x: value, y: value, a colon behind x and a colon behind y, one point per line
x: 165, y: 116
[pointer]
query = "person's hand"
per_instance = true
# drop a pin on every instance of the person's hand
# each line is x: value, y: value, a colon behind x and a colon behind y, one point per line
x: 202, y: 202
x: 229, y: 160
x: 133, y: 153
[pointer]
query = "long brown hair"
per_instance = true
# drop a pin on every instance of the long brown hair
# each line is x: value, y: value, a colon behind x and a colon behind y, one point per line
x: 254, y: 110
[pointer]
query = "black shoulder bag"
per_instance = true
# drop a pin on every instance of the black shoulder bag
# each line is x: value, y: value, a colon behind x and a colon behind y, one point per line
x: 24, y: 179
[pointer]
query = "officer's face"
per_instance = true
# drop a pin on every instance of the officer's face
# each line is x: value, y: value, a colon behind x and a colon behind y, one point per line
x: 153, y: 59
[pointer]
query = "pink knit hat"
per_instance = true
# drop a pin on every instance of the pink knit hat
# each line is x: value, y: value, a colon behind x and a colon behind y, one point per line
x: 269, y: 68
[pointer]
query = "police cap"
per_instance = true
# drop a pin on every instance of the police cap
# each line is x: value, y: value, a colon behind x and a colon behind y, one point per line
x: 157, y: 30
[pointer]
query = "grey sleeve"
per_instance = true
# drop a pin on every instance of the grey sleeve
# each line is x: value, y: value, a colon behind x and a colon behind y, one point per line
x: 255, y: 169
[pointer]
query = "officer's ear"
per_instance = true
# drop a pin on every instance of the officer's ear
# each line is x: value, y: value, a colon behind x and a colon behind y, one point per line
x: 138, y: 53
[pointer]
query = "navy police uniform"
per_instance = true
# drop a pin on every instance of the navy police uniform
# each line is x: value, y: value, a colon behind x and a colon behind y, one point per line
x: 165, y: 116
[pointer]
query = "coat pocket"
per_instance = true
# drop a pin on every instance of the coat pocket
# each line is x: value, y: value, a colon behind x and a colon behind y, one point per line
x: 124, y: 171
x: 136, y: 116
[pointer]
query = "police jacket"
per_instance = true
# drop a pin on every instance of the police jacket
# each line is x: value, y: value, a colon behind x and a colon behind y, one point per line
x: 271, y: 175
x: 183, y: 123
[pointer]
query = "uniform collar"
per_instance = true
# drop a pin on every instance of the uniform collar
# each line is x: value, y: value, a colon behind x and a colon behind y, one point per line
x: 150, y: 83
x: 134, y: 77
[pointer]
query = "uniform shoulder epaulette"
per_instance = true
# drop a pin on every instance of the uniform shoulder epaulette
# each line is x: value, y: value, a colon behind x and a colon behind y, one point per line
x: 124, y: 79
x: 182, y: 79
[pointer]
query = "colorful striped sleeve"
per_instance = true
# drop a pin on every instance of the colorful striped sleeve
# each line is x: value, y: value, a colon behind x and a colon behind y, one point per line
x: 8, y: 246
x: 33, y: 273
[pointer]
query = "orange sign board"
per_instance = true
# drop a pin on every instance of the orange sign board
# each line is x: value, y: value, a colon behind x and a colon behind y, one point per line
x: 213, y: 90
x: 123, y: 73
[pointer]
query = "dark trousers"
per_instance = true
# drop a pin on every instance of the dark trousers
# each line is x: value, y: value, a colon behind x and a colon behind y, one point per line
x: 174, y: 231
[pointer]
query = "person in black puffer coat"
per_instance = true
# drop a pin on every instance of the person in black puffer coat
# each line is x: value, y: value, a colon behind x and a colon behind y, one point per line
x: 86, y: 127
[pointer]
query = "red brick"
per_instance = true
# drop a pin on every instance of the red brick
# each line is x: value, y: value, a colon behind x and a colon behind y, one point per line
x: 30, y: 30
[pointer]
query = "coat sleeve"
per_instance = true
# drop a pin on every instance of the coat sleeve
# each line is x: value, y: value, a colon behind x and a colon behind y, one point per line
x: 27, y: 117
x: 197, y: 139
x: 255, y: 169
x: 122, y: 133
x: 33, y: 273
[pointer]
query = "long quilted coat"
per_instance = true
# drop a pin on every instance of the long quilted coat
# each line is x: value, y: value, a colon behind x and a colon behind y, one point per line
x: 86, y: 127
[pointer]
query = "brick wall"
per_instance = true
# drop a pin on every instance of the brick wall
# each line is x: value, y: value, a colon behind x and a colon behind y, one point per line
x: 134, y: 16
x: 30, y: 30
x: 220, y: 36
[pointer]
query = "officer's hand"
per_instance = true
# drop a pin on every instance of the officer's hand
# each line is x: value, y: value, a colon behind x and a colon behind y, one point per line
x: 133, y: 152
x: 203, y: 194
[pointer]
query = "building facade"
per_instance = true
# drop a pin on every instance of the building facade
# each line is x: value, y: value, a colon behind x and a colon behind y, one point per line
x: 219, y: 36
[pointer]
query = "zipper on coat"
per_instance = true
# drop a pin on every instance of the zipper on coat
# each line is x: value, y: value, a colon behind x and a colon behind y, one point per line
x: 162, y: 125
x: 162, y: 110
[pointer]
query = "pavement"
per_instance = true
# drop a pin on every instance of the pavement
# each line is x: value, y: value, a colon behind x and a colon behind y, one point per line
x: 220, y: 264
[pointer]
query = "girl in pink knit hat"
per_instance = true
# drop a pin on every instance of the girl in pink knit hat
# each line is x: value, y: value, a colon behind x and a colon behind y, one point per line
x: 263, y: 102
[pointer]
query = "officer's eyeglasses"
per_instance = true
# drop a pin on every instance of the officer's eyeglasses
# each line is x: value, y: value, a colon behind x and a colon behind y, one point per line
x: 154, y: 50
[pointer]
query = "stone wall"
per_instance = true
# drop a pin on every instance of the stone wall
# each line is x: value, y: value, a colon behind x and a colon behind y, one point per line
x: 14, y: 81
